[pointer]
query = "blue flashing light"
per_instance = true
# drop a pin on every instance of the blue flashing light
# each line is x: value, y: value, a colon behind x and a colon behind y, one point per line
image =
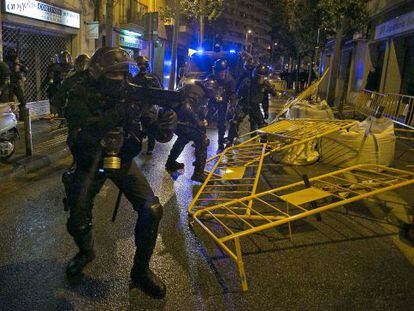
x: 232, y: 51
x: 167, y: 63
x: 200, y: 51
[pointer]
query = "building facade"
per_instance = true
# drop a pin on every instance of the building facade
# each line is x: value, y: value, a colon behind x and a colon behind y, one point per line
x: 39, y: 30
x: 246, y: 24
x: 387, y: 46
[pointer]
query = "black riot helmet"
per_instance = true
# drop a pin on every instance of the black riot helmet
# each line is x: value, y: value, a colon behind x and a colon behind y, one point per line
x: 12, y: 54
x: 221, y: 69
x: 248, y: 64
x: 111, y: 63
x: 82, y: 62
x: 54, y: 59
x: 210, y: 86
x: 64, y: 58
x: 260, y: 73
x: 143, y: 64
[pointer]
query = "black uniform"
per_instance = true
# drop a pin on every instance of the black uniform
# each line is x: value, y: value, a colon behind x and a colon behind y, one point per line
x: 192, y: 126
x: 248, y: 67
x: 96, y: 107
x: 56, y: 74
x: 253, y: 95
x: 4, y: 82
x: 226, y: 95
x: 17, y: 72
x: 148, y: 79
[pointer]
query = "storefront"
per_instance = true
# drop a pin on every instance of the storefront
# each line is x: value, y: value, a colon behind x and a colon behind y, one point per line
x: 38, y: 31
x: 392, y: 53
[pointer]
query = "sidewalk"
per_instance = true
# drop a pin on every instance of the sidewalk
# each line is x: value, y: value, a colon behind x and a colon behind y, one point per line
x: 49, y: 145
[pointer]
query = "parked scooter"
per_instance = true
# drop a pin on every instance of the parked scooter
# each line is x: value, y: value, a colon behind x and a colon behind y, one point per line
x: 8, y: 131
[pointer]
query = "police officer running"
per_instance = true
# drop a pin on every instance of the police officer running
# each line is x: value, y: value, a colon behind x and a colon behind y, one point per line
x: 225, y: 96
x: 253, y: 96
x: 147, y: 79
x: 104, y: 127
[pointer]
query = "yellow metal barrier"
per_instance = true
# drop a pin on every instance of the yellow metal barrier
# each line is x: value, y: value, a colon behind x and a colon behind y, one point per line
x: 238, y: 168
x: 229, y: 218
x: 397, y: 107
x: 312, y: 90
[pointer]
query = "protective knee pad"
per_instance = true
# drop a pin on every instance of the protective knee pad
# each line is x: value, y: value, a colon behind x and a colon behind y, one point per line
x: 156, y: 209
x: 78, y: 228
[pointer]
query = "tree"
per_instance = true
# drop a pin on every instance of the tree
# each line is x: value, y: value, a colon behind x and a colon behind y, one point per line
x: 295, y: 25
x: 341, y: 17
x: 190, y: 10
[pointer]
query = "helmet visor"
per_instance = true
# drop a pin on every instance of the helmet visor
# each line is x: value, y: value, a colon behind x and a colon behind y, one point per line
x: 118, y: 71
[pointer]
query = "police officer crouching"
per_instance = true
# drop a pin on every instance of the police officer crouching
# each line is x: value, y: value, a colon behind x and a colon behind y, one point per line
x: 253, y: 96
x: 192, y: 126
x: 104, y: 132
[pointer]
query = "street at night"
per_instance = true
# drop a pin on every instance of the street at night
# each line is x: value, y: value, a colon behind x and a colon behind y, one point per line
x: 206, y: 155
x: 346, y: 260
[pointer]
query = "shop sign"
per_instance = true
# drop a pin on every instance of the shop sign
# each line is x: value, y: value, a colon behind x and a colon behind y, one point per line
x: 92, y: 30
x: 130, y: 41
x: 395, y: 26
x: 42, y: 11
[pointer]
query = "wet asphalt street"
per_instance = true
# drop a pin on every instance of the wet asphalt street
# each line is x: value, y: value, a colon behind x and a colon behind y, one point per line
x: 345, y: 262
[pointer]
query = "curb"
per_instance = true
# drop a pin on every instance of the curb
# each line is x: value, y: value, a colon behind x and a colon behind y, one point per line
x: 34, y: 164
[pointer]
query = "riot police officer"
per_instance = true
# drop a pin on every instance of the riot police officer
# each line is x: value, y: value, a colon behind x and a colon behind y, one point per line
x: 192, y: 126
x: 78, y: 74
x: 147, y: 79
x: 17, y: 72
x: 253, y: 96
x: 4, y: 82
x: 225, y: 96
x: 56, y: 73
x: 248, y: 67
x: 101, y: 119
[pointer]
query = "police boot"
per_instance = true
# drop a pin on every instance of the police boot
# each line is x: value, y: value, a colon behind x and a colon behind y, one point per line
x: 173, y: 166
x: 145, y: 239
x: 85, y: 255
x: 220, y: 148
x: 198, y: 175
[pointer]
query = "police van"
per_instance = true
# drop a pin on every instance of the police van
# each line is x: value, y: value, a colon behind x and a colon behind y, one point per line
x: 200, y: 64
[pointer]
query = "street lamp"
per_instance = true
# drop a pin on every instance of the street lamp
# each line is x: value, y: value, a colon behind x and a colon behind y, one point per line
x: 245, y: 40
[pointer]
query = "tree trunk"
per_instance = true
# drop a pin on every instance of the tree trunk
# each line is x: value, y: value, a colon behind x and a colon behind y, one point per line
x: 109, y: 23
x: 335, y: 64
x: 297, y: 74
x: 176, y: 32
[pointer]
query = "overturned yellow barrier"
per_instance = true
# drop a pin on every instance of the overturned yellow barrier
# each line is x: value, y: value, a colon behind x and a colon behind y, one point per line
x: 228, y: 219
x: 239, y: 167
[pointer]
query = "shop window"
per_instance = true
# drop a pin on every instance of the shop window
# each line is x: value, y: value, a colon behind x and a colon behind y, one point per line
x: 407, y: 83
x: 377, y: 53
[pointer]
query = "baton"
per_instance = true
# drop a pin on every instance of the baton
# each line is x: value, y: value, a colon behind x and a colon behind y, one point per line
x: 118, y: 201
